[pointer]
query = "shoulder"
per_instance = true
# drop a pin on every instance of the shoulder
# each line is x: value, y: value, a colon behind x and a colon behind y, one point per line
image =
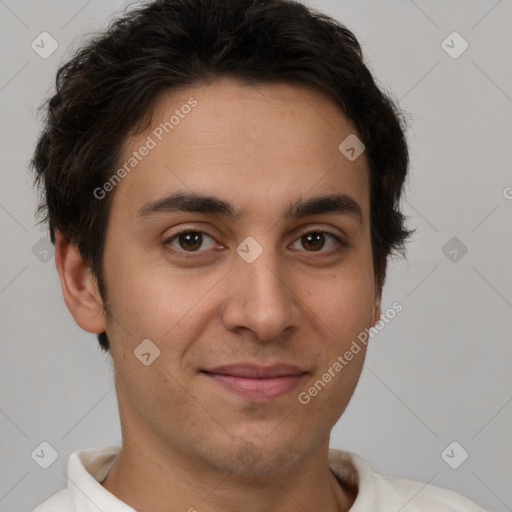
x: 384, y: 492
x: 86, y: 469
x: 416, y: 496
x: 59, y: 502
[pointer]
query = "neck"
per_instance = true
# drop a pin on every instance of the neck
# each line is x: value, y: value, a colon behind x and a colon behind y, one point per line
x: 148, y: 478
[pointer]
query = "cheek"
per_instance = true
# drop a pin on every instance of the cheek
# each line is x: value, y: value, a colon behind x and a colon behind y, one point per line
x: 155, y: 303
x: 156, y: 393
x: 344, y: 300
x: 146, y: 299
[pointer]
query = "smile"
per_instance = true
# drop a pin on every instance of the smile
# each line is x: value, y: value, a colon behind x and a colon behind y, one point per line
x: 259, y: 389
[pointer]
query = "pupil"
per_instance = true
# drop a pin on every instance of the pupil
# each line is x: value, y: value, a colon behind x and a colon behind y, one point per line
x: 314, y: 239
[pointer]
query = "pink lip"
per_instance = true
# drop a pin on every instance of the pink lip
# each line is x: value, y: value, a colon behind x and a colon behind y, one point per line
x: 257, y: 382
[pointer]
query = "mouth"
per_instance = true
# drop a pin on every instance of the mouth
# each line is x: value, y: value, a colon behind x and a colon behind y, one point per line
x: 257, y: 383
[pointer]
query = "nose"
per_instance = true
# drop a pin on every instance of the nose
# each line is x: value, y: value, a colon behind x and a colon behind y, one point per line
x: 260, y: 297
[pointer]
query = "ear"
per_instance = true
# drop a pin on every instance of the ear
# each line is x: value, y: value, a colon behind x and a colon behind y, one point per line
x: 79, y: 286
x: 376, y: 311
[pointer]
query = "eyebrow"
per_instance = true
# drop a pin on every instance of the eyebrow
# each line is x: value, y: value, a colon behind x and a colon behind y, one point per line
x: 197, y: 203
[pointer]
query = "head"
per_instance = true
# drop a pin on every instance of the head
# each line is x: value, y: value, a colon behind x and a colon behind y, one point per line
x: 240, y: 115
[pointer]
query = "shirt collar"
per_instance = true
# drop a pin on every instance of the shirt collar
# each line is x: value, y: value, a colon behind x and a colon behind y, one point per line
x: 86, y: 470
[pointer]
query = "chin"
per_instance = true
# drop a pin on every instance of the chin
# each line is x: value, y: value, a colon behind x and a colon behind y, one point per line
x: 258, y: 458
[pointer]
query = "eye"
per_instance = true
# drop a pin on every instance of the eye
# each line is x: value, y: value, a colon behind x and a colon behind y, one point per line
x: 190, y: 241
x: 315, y: 241
x: 195, y: 241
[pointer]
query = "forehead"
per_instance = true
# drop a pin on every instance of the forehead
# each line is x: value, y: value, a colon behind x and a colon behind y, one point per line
x: 244, y: 144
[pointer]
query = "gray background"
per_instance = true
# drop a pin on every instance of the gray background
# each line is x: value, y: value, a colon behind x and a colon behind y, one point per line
x: 439, y: 372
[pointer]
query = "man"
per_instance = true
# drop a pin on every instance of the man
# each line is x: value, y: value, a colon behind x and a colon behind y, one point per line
x: 221, y: 181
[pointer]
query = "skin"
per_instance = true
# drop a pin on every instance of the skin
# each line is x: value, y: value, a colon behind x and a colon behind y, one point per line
x: 187, y: 441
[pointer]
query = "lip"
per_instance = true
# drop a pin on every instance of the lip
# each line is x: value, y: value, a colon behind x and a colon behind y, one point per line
x: 254, y: 371
x: 258, y: 383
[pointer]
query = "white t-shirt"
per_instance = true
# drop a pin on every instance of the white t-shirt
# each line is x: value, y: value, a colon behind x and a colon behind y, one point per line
x: 375, y: 493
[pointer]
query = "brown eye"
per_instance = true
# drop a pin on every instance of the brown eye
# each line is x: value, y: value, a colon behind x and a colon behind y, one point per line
x: 315, y: 241
x: 190, y: 241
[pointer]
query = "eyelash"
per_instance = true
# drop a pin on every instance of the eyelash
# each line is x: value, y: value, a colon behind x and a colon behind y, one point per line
x: 342, y: 244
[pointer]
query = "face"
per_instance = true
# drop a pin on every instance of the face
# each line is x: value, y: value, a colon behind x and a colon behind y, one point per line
x: 251, y: 283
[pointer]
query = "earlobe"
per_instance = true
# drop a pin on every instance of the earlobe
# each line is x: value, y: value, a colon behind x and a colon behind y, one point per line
x: 376, y: 311
x: 79, y: 286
